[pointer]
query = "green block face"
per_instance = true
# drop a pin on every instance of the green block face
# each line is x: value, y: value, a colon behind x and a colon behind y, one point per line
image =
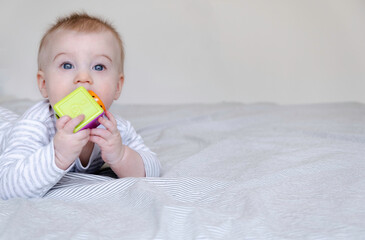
x: 79, y: 102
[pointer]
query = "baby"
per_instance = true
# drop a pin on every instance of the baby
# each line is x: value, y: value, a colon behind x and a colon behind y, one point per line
x: 79, y: 50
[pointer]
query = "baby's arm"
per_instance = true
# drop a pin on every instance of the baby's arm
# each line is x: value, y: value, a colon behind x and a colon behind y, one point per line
x: 128, y: 156
x: 123, y: 160
x: 27, y: 167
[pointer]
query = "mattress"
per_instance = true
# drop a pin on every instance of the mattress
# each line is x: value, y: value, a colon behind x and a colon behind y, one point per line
x: 229, y: 171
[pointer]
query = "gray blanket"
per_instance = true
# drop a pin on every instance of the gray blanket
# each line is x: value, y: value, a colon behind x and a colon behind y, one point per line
x: 230, y: 171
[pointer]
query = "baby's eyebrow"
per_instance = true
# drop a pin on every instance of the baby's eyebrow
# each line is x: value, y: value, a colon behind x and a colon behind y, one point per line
x: 100, y: 55
x: 106, y: 56
x: 58, y: 55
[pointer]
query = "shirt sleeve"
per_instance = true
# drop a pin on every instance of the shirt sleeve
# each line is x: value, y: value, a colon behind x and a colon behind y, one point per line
x: 134, y: 141
x: 27, y: 165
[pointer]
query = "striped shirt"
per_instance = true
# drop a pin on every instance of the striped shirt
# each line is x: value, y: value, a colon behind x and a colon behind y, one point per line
x: 27, y: 159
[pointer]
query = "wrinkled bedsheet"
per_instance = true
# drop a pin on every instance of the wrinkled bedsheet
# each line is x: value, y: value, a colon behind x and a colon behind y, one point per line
x: 230, y: 171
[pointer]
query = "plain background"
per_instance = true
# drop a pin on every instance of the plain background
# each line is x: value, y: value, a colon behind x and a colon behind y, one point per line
x: 207, y: 51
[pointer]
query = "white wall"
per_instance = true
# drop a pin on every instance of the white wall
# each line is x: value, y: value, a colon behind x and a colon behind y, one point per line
x: 283, y: 51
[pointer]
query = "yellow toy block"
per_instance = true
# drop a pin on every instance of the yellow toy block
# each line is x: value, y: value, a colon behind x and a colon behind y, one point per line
x: 80, y: 101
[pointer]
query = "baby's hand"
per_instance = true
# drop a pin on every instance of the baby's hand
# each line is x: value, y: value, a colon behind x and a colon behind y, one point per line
x: 67, y: 144
x: 109, y: 140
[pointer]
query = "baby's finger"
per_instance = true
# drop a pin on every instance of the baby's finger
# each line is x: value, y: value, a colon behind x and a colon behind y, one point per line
x: 61, y: 122
x: 70, y: 126
x: 101, y: 133
x: 107, y: 124
x: 111, y: 117
x: 85, y: 133
x: 83, y: 136
x: 98, y: 140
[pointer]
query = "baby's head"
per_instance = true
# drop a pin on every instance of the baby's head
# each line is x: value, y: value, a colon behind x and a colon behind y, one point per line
x: 81, y: 50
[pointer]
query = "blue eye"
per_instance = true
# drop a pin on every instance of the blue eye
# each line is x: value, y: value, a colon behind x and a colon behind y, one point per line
x: 99, y: 67
x: 67, y: 66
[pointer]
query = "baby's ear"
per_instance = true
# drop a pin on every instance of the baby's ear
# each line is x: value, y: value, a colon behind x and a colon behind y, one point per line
x: 119, y: 86
x: 42, y: 83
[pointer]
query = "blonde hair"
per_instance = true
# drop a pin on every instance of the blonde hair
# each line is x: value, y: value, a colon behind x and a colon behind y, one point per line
x: 82, y: 22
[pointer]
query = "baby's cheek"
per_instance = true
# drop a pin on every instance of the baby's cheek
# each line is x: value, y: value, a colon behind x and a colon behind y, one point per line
x: 107, y: 101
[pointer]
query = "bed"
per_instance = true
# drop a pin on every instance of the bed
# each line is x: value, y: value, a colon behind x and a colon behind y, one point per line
x: 230, y: 171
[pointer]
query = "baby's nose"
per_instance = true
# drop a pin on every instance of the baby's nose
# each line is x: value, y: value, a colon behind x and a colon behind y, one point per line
x: 83, y: 77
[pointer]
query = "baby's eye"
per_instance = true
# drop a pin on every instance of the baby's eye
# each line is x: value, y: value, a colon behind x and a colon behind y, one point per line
x: 67, y: 66
x: 99, y: 67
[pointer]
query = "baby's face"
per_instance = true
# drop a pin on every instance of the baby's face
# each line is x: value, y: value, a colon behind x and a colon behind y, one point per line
x: 71, y: 59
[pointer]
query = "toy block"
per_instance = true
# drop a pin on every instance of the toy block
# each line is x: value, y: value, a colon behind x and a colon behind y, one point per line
x: 80, y: 101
